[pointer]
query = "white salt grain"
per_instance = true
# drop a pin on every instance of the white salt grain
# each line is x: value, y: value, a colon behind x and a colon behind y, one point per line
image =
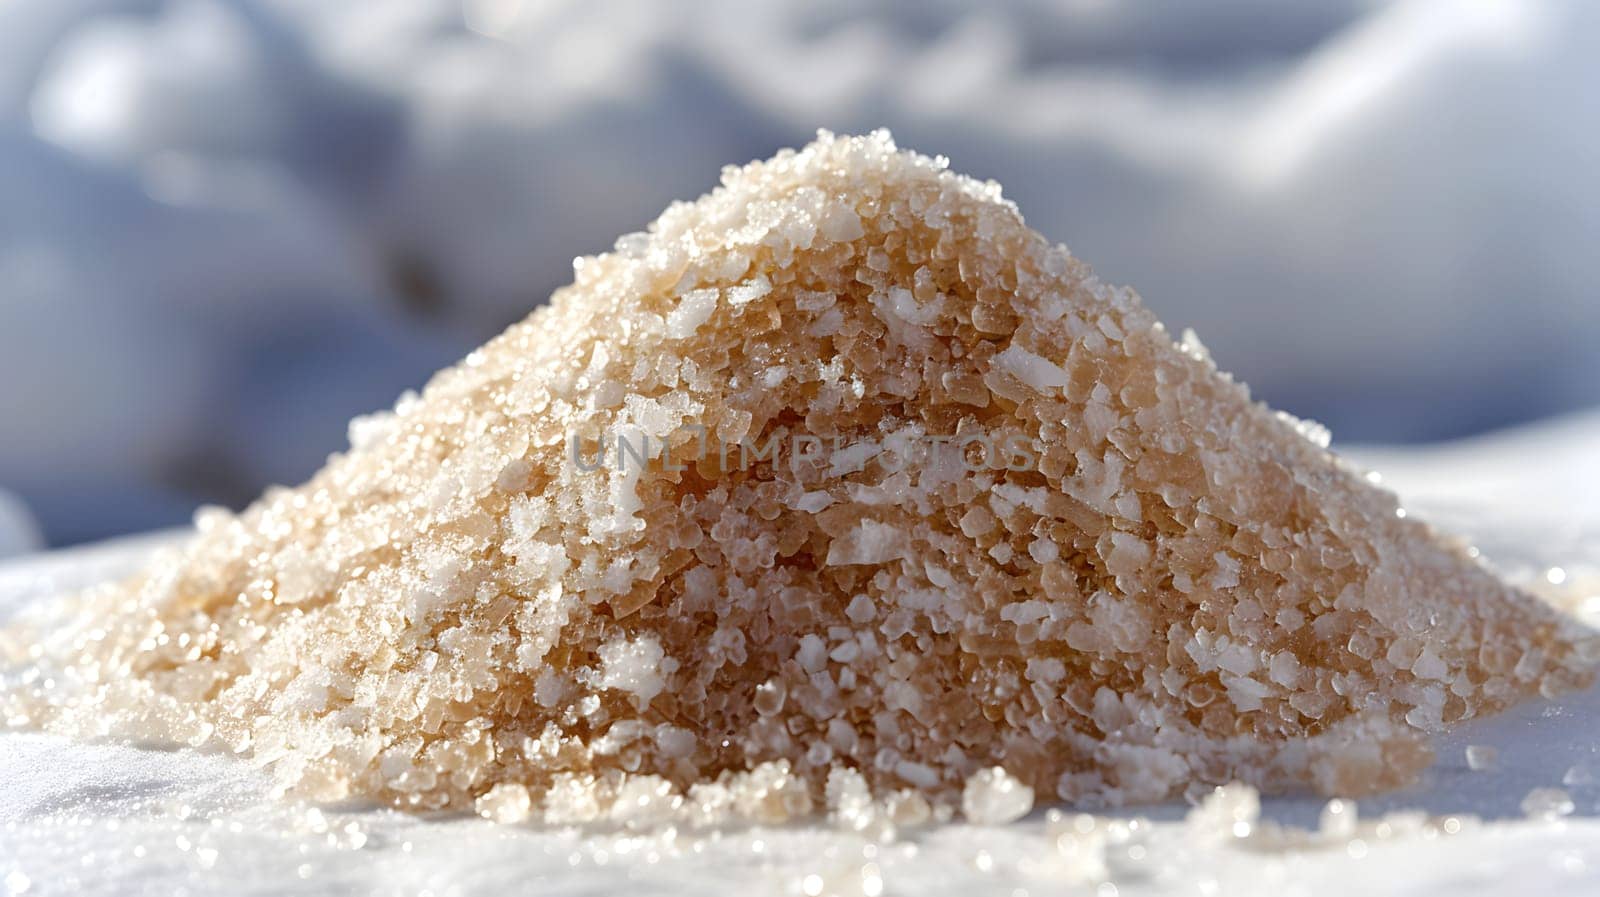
x: 1547, y: 804
x: 1228, y: 811
x: 694, y: 309
x: 995, y: 797
x: 1579, y: 776
x: 634, y: 666
x: 1034, y: 370
x: 1339, y: 820
x: 1480, y: 757
x: 505, y: 803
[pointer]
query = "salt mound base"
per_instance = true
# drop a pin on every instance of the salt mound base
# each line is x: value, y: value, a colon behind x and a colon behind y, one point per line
x: 933, y: 500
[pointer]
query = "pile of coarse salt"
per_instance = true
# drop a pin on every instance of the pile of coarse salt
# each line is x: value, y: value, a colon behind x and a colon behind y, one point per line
x: 838, y: 489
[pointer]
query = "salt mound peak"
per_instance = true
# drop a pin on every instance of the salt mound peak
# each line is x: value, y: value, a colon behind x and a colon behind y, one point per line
x: 839, y: 484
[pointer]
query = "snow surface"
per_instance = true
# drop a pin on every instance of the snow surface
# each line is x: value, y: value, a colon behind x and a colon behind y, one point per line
x: 226, y: 226
x: 118, y: 820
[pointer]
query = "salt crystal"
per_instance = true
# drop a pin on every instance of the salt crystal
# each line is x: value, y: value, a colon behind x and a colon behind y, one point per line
x: 1228, y: 811
x: 694, y: 309
x: 1480, y: 757
x: 1579, y: 776
x: 1547, y: 803
x: 634, y: 665
x: 995, y: 797
x: 1034, y: 370
x: 861, y: 609
x: 841, y: 223
x: 749, y: 291
x: 505, y: 803
x: 908, y: 809
x: 1338, y: 820
x: 849, y: 799
x: 813, y: 653
x: 870, y: 542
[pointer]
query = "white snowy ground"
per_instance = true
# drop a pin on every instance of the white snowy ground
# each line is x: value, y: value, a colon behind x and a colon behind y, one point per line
x: 110, y: 819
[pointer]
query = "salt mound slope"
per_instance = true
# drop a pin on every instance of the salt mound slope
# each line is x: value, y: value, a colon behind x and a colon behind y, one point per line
x: 1152, y: 581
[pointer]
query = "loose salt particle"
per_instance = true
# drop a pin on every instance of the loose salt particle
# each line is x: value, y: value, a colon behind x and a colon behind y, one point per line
x: 908, y: 809
x: 1480, y: 757
x: 1547, y: 803
x: 1338, y: 820
x: 505, y: 803
x: 995, y: 797
x: 1228, y: 811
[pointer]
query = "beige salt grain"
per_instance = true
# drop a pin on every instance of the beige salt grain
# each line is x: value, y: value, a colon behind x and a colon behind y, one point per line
x: 1150, y: 584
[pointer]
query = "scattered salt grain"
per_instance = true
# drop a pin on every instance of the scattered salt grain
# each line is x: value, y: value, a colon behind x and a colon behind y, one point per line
x: 505, y: 803
x: 1481, y: 757
x: 995, y: 797
x: 1547, y: 803
x: 1338, y: 820
x: 1228, y: 811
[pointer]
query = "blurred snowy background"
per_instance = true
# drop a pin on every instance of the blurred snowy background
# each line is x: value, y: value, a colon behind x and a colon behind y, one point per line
x: 226, y: 227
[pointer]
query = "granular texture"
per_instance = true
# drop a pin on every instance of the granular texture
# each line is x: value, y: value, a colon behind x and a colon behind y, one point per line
x: 935, y: 500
